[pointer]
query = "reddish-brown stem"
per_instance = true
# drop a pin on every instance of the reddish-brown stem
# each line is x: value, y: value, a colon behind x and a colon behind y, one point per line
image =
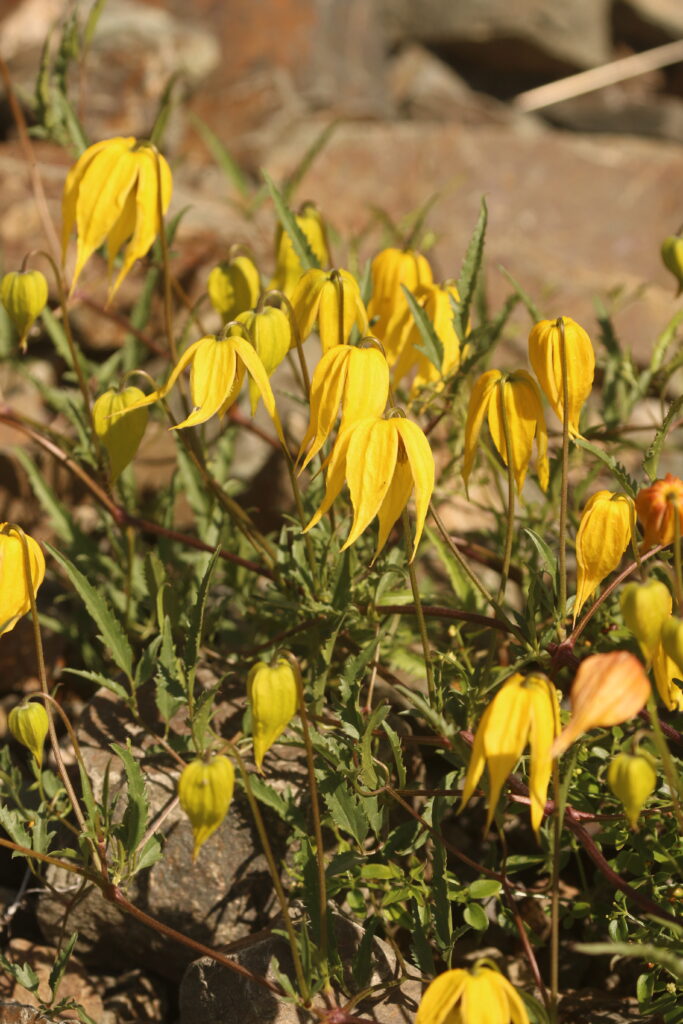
x: 441, y: 612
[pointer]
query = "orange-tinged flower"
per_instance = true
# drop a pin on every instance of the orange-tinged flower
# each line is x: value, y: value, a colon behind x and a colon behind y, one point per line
x: 205, y: 791
x: 390, y: 269
x: 604, y: 533
x: 525, y: 710
x: 480, y: 996
x: 382, y: 460
x: 511, y: 398
x: 334, y: 300
x: 355, y: 378
x: 288, y: 267
x: 113, y: 193
x: 15, y: 598
x: 545, y: 356
x: 657, y: 507
x: 608, y: 689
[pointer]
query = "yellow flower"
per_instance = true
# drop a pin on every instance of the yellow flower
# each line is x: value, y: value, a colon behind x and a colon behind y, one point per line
x: 479, y: 996
x: 608, y: 689
x: 218, y: 368
x: 334, y: 300
x: 14, y: 586
x: 545, y: 355
x: 273, y: 696
x: 204, y: 791
x: 525, y: 710
x: 401, y: 343
x: 119, y: 430
x: 382, y: 460
x: 271, y: 334
x: 672, y: 640
x: 112, y: 194
x: 632, y: 779
x: 658, y: 506
x: 288, y: 267
x: 646, y: 608
x: 515, y: 396
x: 672, y: 257
x: 28, y: 723
x: 356, y: 378
x: 604, y: 534
x: 390, y: 269
x: 24, y: 296
x: 234, y: 286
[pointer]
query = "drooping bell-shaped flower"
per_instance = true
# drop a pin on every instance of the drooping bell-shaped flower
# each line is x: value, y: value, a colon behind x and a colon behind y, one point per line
x: 390, y: 269
x: 114, y: 194
x: 288, y: 268
x: 355, y: 378
x: 28, y: 723
x: 525, y: 710
x: 604, y: 533
x: 383, y: 461
x: 658, y: 506
x: 234, y: 286
x: 514, y: 399
x: 273, y: 696
x: 480, y: 996
x: 271, y: 333
x: 205, y: 791
x: 15, y: 599
x: 334, y: 300
x: 672, y: 257
x: 24, y: 296
x: 646, y: 608
x: 119, y: 429
x: 546, y: 342
x: 632, y: 778
x: 403, y: 340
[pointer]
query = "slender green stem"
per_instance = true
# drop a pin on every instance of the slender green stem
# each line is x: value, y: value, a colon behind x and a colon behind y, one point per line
x: 419, y: 613
x: 555, y: 895
x: 166, y: 268
x: 564, y: 487
x: 510, y: 509
x: 275, y: 875
x: 673, y: 781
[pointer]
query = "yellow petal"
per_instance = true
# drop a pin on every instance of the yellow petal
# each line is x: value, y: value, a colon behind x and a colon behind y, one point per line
x: 370, y: 464
x: 506, y: 735
x: 327, y: 387
x: 441, y: 996
x: 545, y: 726
x: 15, y: 599
x: 604, y: 534
x: 119, y: 428
x: 394, y: 502
x: 205, y: 791
x: 480, y: 400
x: 273, y: 695
x: 306, y: 298
x: 271, y: 335
x: 367, y: 385
x: 212, y: 377
x: 256, y: 370
x: 336, y: 470
x: 665, y: 671
x: 74, y: 178
x: 482, y: 1000
x: 421, y: 462
x: 545, y: 355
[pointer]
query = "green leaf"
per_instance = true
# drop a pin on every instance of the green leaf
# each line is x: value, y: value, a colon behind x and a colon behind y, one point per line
x: 99, y: 680
x: 345, y: 809
x: 421, y: 946
x: 288, y: 221
x: 59, y: 518
x: 475, y: 917
x: 621, y: 475
x: 469, y: 271
x: 164, y: 109
x: 22, y: 973
x: 60, y: 964
x: 368, y: 772
x: 528, y: 302
x: 225, y: 160
x: 643, y: 951
x: 396, y: 750
x: 432, y: 346
x: 194, y: 636
x: 135, y: 816
x: 548, y: 559
x: 651, y: 460
x: 112, y: 633
x: 483, y: 888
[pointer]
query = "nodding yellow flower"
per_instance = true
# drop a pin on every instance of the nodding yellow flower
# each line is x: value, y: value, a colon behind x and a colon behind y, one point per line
x: 28, y: 723
x: 525, y: 710
x: 657, y: 507
x: 218, y: 366
x: 672, y: 257
x: 401, y: 342
x: 119, y: 429
x: 672, y: 641
x: 15, y: 599
x: 355, y: 378
x: 646, y: 608
x: 24, y: 296
x: 288, y: 267
x: 390, y: 269
x: 271, y: 333
x: 608, y: 689
x: 480, y: 996
x: 632, y: 778
x: 605, y: 531
x: 234, y: 286
x: 382, y: 460
x: 514, y: 399
x: 113, y: 193
x: 545, y: 356
x: 334, y: 300
x: 274, y: 697
x: 205, y: 791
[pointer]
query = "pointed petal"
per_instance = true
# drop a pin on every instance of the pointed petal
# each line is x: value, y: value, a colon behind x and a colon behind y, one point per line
x: 506, y: 735
x: 422, y: 468
x: 187, y: 357
x: 147, y: 223
x: 370, y: 464
x: 327, y: 388
x: 477, y: 759
x: 73, y: 183
x: 306, y: 298
x: 441, y: 996
x: 212, y: 377
x: 480, y: 399
x: 257, y: 371
x: 367, y: 385
x: 544, y: 729
x: 336, y: 472
x: 394, y: 502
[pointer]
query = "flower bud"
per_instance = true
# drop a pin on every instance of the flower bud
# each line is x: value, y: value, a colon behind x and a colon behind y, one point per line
x: 545, y: 356
x: 603, y: 536
x: 632, y: 779
x: 657, y: 507
x: 234, y: 286
x: 28, y: 723
x: 672, y: 256
x: 15, y: 599
x: 119, y: 431
x: 672, y: 640
x: 273, y: 695
x: 271, y: 333
x: 205, y: 790
x: 24, y: 296
x: 288, y: 267
x: 608, y: 689
x: 645, y: 608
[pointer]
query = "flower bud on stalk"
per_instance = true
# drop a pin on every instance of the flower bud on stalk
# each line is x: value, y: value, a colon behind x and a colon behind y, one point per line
x: 672, y: 257
x: 271, y: 333
x: 288, y: 267
x: 205, y: 790
x: 632, y: 779
x: 604, y: 534
x: 119, y: 430
x: 234, y: 286
x: 672, y: 640
x: 274, y: 698
x: 28, y: 723
x: 24, y: 296
x: 545, y: 356
x: 15, y: 599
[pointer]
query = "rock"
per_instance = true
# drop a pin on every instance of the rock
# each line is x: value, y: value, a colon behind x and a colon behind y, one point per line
x: 646, y: 23
x: 614, y: 110
x: 222, y: 897
x: 16, y: 1013
x: 212, y: 994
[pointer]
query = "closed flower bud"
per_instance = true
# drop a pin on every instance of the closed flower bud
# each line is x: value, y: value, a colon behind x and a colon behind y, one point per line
x: 28, y: 723
x: 645, y: 608
x: 608, y: 689
x: 632, y: 779
x: 672, y: 256
x: 334, y: 300
x: 604, y: 534
x: 119, y: 431
x: 274, y: 697
x: 288, y: 267
x: 24, y: 296
x: 15, y: 598
x: 234, y: 286
x: 480, y: 996
x: 271, y: 333
x: 672, y: 640
x: 658, y: 507
x: 390, y: 269
x: 205, y: 790
x: 545, y: 355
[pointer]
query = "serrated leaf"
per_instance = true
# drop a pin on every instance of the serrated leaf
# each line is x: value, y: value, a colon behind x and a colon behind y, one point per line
x: 136, y: 813
x: 22, y: 973
x: 548, y: 558
x: 368, y: 771
x: 345, y: 809
x: 287, y: 219
x: 194, y: 635
x: 395, y: 744
x: 99, y: 680
x: 651, y: 460
x: 112, y: 633
x: 432, y: 346
x: 150, y: 853
x: 469, y: 271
